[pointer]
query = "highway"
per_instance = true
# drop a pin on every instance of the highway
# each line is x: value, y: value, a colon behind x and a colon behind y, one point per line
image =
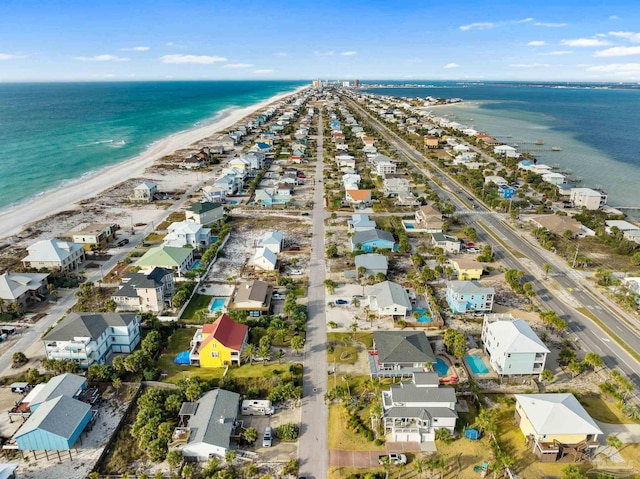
x: 313, y: 452
x: 562, y: 299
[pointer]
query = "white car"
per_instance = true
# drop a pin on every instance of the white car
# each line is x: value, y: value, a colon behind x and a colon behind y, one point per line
x: 296, y: 272
x: 277, y: 296
x: 267, y: 438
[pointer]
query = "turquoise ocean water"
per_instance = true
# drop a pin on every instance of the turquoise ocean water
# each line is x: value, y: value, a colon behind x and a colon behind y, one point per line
x: 51, y: 134
x: 598, y: 130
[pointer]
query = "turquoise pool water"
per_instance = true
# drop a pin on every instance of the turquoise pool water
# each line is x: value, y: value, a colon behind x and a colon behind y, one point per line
x: 476, y: 364
x: 196, y: 264
x: 217, y: 304
x: 423, y: 318
x: 182, y: 358
x: 214, y: 239
x: 409, y: 226
x: 441, y: 367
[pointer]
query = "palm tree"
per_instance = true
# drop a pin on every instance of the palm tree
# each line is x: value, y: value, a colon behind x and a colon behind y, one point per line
x: 546, y: 268
x: 346, y: 378
x: 297, y: 343
x: 354, y: 327
x: 420, y: 465
x: 614, y: 442
x: 264, y: 351
x: 248, y: 352
x: 250, y: 435
x: 279, y: 355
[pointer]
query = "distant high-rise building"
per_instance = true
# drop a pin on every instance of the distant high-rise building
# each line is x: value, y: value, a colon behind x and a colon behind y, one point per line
x: 345, y: 84
x: 316, y: 84
x: 356, y: 83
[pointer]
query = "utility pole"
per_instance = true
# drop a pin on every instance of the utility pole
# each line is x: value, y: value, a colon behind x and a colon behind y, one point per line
x: 575, y: 257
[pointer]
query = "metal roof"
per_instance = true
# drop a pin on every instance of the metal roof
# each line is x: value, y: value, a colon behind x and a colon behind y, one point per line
x: 60, y: 416
x: 403, y: 347
x: 214, y: 419
x: 87, y: 325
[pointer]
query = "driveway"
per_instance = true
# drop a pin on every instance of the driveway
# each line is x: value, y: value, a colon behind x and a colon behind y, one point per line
x: 627, y: 433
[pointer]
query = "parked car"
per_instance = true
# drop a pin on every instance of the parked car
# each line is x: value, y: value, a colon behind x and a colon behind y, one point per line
x: 277, y: 296
x: 293, y: 248
x: 304, y: 214
x: 123, y: 242
x: 267, y: 438
x: 473, y: 250
x: 296, y: 272
x: 259, y: 359
x: 394, y: 458
x: 357, y: 296
x: 342, y: 301
x: 140, y: 224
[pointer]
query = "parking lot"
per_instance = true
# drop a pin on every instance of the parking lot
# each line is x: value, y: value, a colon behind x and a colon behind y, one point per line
x: 279, y: 451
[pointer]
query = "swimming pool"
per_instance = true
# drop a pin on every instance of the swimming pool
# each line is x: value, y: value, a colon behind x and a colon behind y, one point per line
x: 423, y: 318
x: 182, y: 358
x: 196, y: 264
x: 441, y: 367
x: 476, y: 364
x: 217, y: 304
x: 409, y: 226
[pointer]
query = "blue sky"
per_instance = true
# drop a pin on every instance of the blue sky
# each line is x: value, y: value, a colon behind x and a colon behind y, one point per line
x: 197, y: 39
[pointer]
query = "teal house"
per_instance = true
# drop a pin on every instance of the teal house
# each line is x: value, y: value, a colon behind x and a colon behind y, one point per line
x: 374, y: 239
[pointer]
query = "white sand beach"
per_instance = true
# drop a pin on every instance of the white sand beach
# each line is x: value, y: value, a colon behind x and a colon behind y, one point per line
x: 15, y: 219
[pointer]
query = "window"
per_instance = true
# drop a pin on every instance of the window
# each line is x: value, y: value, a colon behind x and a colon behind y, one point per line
x: 214, y: 354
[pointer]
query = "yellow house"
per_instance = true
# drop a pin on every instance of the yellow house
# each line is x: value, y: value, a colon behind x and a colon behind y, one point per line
x: 219, y: 344
x: 556, y: 425
x: 467, y: 268
x: 431, y: 141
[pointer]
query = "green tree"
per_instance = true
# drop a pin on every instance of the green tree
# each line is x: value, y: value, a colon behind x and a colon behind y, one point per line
x: 572, y: 471
x: 174, y: 459
x: 248, y: 352
x: 288, y: 432
x: 297, y: 344
x: 614, y: 442
x: 547, y: 376
x: 332, y: 251
x: 593, y: 360
x: 250, y: 435
x: 18, y: 359
x: 330, y: 285
x: 280, y: 355
x: 229, y: 457
x: 546, y: 268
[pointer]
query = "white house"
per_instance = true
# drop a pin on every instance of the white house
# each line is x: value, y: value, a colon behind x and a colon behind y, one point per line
x: 449, y: 243
x: 512, y: 346
x: 211, y: 422
x: 187, y: 233
x: 554, y: 178
x: 145, y: 191
x: 460, y: 148
x: 506, y: 150
x: 388, y: 299
x: 588, y: 198
x: 54, y: 254
x: 498, y: 180
x: 265, y: 259
x: 413, y: 411
x: 272, y: 240
x: 360, y: 222
x: 214, y: 194
x: 22, y: 288
x: 88, y: 338
x: 395, y: 187
x: 229, y: 183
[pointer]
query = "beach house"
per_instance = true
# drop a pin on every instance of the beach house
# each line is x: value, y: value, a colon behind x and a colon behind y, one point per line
x: 506, y: 150
x: 360, y: 222
x: 180, y: 260
x: 22, y: 289
x: 560, y: 225
x: 272, y: 240
x: 413, y: 411
x: 469, y: 297
x: 466, y: 268
x: 187, y: 234
x: 388, y: 299
x: 204, y: 213
x: 214, y: 194
x: 218, y: 344
x: 393, y: 187
x: 373, y: 239
x: 429, y: 219
x: 360, y: 198
x: 211, y: 422
x: 254, y: 297
x: 512, y: 346
x: 556, y: 426
x: 149, y: 290
x: 400, y: 353
x: 54, y: 254
x: 371, y: 264
x: 448, y: 243
x: 145, y: 191
x: 264, y: 259
x: 89, y: 338
x: 497, y: 180
x: 93, y: 236
x: 587, y: 198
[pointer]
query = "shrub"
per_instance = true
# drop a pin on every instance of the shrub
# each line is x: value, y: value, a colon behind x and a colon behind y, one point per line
x: 288, y: 432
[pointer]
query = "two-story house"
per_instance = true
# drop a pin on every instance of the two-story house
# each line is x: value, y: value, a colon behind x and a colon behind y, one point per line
x: 395, y: 187
x: 254, y: 297
x: 360, y: 222
x: 219, y: 344
x: 88, y: 338
x: 413, y: 411
x: 388, y: 299
x: 204, y: 213
x: 469, y: 297
x: 449, y: 243
x: 180, y: 260
x: 467, y: 268
x: 93, y: 235
x: 512, y: 346
x: 22, y: 288
x: 187, y: 233
x: 149, y: 290
x: 54, y: 254
x: 429, y: 219
x: 372, y: 239
x: 400, y: 353
x: 145, y: 191
x: 214, y: 194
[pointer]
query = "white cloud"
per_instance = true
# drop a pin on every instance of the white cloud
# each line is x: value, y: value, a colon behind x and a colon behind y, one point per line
x: 535, y: 43
x: 324, y: 54
x: 560, y: 52
x: 282, y: 54
x: 613, y: 17
x: 451, y: 65
x: 10, y: 56
x: 199, y: 59
x: 135, y: 49
x: 550, y: 24
x: 264, y: 71
x: 102, y: 58
x: 349, y: 53
x: 169, y: 44
x: 478, y: 26
x: 529, y: 65
x: 585, y: 42
x: 631, y: 36
x: 616, y: 68
x: 618, y: 52
x: 238, y: 65
x: 489, y: 25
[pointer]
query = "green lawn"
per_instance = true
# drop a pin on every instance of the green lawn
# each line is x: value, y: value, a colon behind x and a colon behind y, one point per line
x: 198, y: 302
x: 365, y: 338
x: 604, y: 409
x: 343, y: 354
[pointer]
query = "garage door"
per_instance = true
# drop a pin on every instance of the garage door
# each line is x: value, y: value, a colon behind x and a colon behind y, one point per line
x: 406, y: 437
x: 429, y: 437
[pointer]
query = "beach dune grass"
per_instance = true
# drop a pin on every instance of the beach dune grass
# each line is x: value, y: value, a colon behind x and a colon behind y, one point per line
x: 604, y: 409
x: 344, y: 439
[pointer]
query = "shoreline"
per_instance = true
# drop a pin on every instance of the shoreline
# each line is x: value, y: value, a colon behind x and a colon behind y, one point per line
x: 91, y: 184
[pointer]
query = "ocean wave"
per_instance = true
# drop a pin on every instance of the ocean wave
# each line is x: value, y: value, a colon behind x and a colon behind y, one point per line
x: 111, y: 142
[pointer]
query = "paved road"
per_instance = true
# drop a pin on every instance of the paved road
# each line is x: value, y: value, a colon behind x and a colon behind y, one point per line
x: 572, y: 292
x: 314, y: 458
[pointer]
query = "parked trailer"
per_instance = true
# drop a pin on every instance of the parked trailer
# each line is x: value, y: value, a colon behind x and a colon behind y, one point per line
x: 254, y: 407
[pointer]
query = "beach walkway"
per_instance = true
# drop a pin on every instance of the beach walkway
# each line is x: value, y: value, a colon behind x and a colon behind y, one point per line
x: 314, y: 458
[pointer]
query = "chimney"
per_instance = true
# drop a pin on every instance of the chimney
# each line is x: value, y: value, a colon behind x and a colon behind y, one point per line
x: 221, y: 419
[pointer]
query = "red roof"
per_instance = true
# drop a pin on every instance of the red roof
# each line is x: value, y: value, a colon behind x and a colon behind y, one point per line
x: 226, y: 331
